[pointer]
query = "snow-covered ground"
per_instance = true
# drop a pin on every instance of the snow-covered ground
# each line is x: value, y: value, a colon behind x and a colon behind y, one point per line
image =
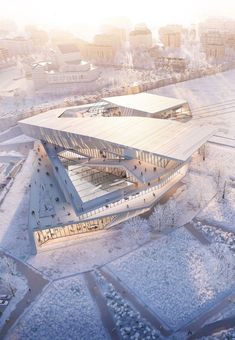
x: 176, y: 276
x: 19, y: 139
x: 127, y: 320
x: 226, y: 312
x: 65, y: 310
x: 221, y: 164
x: 12, y: 79
x: 13, y: 281
x: 14, y: 214
x: 201, y: 93
x: 218, y: 235
x: 86, y: 251
x: 221, y: 211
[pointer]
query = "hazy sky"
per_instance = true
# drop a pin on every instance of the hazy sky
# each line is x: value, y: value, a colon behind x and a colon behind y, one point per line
x: 65, y: 14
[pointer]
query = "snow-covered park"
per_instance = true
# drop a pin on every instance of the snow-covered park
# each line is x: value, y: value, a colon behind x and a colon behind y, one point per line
x: 176, y: 276
x: 64, y: 311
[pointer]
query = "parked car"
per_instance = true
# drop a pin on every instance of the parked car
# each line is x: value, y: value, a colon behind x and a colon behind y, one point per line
x: 3, y: 302
x: 4, y: 296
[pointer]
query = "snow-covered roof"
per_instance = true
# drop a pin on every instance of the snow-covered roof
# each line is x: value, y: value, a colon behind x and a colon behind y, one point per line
x: 165, y: 138
x: 146, y: 102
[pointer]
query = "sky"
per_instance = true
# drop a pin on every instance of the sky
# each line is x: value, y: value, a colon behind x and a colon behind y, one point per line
x: 67, y: 14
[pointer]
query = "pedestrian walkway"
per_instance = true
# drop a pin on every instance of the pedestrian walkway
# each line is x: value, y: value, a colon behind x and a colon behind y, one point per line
x: 144, y: 312
x: 36, y: 283
x: 106, y: 317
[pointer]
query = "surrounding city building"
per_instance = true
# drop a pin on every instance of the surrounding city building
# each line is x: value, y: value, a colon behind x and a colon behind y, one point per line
x: 91, y: 173
x: 105, y: 39
x: 140, y: 37
x: 4, y: 55
x: 168, y: 59
x: 7, y: 27
x: 170, y: 36
x: 218, y: 39
x: 70, y: 74
x: 213, y: 45
x: 5, y: 60
x: 104, y: 47
x: 18, y: 46
x: 39, y: 37
x: 217, y: 24
x: 98, y: 54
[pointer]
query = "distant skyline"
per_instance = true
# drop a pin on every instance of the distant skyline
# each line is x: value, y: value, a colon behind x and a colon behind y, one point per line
x: 88, y: 15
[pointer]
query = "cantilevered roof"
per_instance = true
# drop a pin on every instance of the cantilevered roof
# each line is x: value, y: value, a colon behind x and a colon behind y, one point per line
x: 146, y: 102
x: 165, y: 138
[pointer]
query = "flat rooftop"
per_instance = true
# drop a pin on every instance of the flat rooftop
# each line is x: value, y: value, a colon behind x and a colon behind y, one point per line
x: 146, y: 102
x: 161, y: 137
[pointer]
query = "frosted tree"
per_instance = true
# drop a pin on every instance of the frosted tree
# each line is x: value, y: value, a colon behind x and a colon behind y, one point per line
x: 164, y: 216
x: 138, y: 229
x: 199, y: 193
x: 219, y: 176
x: 8, y: 272
x: 156, y: 219
x: 171, y: 213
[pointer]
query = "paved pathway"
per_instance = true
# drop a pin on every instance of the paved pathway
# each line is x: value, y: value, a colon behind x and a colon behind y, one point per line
x: 214, y: 327
x: 197, y: 324
x: 215, y: 224
x: 35, y: 282
x: 145, y: 313
x: 105, y: 314
x: 196, y: 233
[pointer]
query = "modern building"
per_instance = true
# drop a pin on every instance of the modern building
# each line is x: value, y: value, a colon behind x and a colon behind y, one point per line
x: 140, y: 38
x: 151, y: 105
x: 91, y: 173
